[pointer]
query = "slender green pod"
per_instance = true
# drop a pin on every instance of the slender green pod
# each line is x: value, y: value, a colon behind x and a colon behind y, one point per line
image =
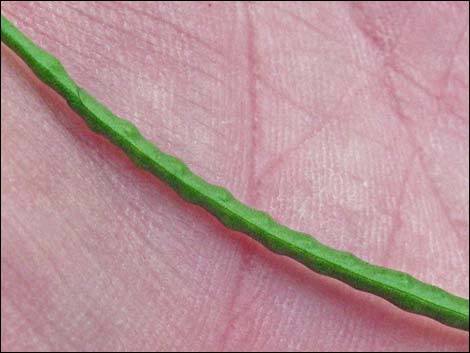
x: 397, y: 287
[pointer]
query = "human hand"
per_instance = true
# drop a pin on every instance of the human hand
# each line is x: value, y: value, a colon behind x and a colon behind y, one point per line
x: 349, y: 122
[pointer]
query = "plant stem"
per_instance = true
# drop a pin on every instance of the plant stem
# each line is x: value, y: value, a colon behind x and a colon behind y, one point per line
x: 397, y: 287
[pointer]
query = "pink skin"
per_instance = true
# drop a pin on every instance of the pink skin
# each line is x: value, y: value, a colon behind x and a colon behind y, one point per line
x: 346, y: 121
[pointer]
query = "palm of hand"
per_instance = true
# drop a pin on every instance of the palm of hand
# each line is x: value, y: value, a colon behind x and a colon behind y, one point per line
x: 347, y: 122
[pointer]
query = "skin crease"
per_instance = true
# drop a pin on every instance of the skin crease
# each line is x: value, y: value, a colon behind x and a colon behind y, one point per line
x: 348, y: 121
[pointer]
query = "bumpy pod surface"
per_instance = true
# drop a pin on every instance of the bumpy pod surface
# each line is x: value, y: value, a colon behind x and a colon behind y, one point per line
x: 397, y: 287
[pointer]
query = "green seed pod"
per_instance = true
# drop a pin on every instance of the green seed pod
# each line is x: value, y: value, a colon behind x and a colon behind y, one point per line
x: 398, y: 288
